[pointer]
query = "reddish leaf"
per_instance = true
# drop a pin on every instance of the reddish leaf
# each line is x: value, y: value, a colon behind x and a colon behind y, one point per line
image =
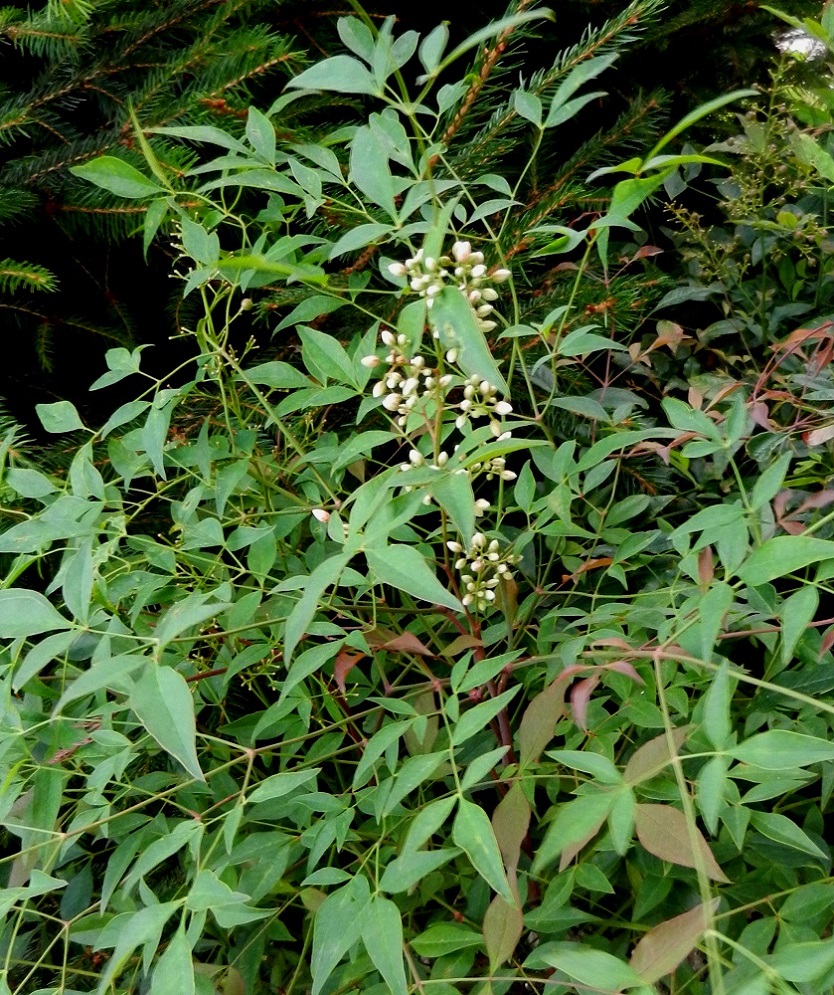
x: 580, y: 696
x: 538, y: 723
x: 510, y: 822
x: 663, y: 831
x: 827, y: 642
x: 652, y: 757
x: 818, y: 436
x: 706, y: 567
x: 503, y: 925
x: 594, y: 564
x: 407, y: 643
x: 345, y: 662
x: 665, y: 946
x: 626, y: 669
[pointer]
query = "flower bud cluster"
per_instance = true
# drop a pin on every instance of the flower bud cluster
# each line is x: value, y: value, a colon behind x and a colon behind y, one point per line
x: 482, y: 568
x: 406, y: 380
x: 464, y: 269
x: 480, y: 400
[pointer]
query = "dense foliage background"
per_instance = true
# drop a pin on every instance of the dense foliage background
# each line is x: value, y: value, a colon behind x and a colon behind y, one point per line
x: 447, y: 608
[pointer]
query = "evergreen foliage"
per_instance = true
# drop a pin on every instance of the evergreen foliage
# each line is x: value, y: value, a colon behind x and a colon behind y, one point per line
x: 72, y: 72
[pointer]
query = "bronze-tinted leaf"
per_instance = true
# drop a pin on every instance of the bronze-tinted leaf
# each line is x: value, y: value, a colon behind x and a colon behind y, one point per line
x: 503, y: 924
x: 511, y: 820
x: 666, y: 945
x: 652, y: 757
x: 539, y: 721
x: 663, y: 831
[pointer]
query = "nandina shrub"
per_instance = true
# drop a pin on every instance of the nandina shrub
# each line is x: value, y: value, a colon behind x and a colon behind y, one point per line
x: 406, y: 657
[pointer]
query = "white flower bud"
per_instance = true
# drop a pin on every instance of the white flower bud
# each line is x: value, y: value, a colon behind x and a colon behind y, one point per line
x: 415, y: 457
x: 427, y: 499
x: 388, y: 338
x: 379, y: 388
x: 508, y: 475
x: 461, y: 251
x: 452, y: 356
x: 418, y: 363
x: 392, y: 402
x: 484, y: 310
x: 370, y: 361
x: 478, y: 271
x: 434, y: 289
x: 461, y: 421
x: 487, y: 326
x: 481, y: 505
x: 445, y: 380
x: 397, y: 269
x: 466, y: 600
x: 474, y: 296
x: 320, y: 515
x: 476, y: 257
x: 501, y: 275
x: 454, y: 547
x: 489, y: 294
x: 478, y: 540
x: 503, y: 408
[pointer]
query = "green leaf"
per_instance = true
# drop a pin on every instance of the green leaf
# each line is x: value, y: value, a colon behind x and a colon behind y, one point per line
x: 131, y: 930
x: 117, y: 176
x: 445, y: 938
x: 163, y: 704
x: 122, y: 415
x: 781, y: 829
x: 404, y: 872
x: 455, y: 322
x: 453, y: 492
x: 528, y: 106
x: 700, y: 112
x: 337, y: 926
x: 432, y: 47
x: 576, y: 823
x: 370, y: 170
x: 473, y: 833
x: 325, y: 575
x: 175, y: 970
x: 595, y: 968
x: 281, y: 784
x: 25, y: 613
x: 796, y: 614
x: 716, y: 721
x: 276, y: 374
x: 599, y: 767
x: 382, y: 934
x: 185, y: 614
x: 342, y: 73
x: 780, y: 749
x: 59, y: 417
x: 783, y: 555
x: 803, y: 962
x: 475, y: 719
x: 29, y: 483
x: 406, y: 570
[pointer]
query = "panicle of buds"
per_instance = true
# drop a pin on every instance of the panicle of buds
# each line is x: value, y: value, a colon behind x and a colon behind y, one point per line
x: 480, y: 400
x: 482, y: 566
x: 464, y: 268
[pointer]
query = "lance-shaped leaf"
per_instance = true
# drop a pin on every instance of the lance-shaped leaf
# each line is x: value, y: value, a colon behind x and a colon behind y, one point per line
x: 27, y: 613
x: 663, y: 831
x: 472, y: 832
x: 164, y: 705
x: 665, y: 946
x: 539, y: 721
x: 503, y: 925
x: 454, y: 320
x: 406, y: 570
